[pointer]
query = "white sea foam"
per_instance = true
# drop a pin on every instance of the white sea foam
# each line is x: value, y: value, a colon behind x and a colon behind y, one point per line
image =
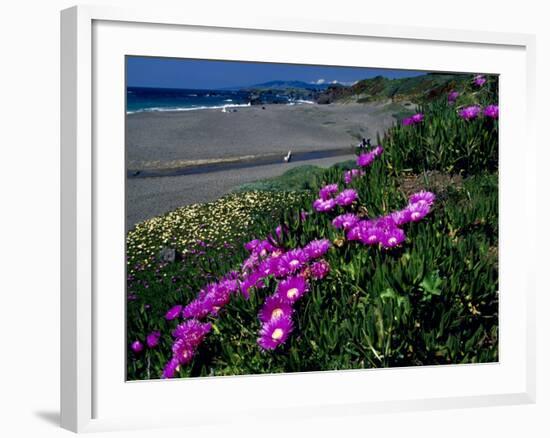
x: 193, y: 108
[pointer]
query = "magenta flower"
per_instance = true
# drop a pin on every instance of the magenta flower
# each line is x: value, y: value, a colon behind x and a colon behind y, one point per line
x: 401, y: 217
x: 346, y: 197
x: 198, y: 308
x: 192, y: 332
x: 183, y: 352
x: 251, y: 262
x: 264, y: 247
x: 366, y: 159
x: 345, y: 221
x: 323, y: 206
x: 292, y: 289
x: 327, y: 191
x: 171, y: 368
x: 153, y: 339
x: 354, y: 233
x: 253, y: 280
x: 452, y: 96
x: 393, y: 237
x: 379, y: 150
x: 413, y: 120
x: 320, y: 269
x: 317, y: 248
x: 491, y: 111
x: 418, y: 210
x: 173, y: 312
x: 350, y: 175
x: 275, y: 332
x: 251, y: 246
x: 274, y: 307
x: 469, y: 112
x: 370, y: 235
x: 137, y: 347
x: 291, y: 262
x: 422, y: 196
x: 479, y: 80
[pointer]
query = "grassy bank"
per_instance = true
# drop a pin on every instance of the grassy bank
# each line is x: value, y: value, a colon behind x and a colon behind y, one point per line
x: 433, y: 299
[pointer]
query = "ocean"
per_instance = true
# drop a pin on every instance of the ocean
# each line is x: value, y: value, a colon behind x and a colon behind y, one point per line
x: 139, y: 99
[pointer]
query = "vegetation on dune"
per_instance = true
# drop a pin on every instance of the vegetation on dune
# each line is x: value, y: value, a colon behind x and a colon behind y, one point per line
x: 418, y: 89
x: 431, y: 298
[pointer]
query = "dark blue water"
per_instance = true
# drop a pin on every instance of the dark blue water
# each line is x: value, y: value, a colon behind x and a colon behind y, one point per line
x: 140, y: 99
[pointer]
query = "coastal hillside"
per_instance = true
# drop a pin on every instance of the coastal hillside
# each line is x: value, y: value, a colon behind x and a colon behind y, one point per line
x: 417, y: 89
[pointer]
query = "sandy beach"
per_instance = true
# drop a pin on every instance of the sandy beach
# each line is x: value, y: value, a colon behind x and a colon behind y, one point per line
x: 175, y: 140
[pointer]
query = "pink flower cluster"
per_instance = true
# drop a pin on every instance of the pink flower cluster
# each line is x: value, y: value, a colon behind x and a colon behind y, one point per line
x: 152, y: 341
x: 367, y: 158
x: 327, y: 201
x: 350, y: 175
x: 385, y: 231
x: 473, y: 111
x: 298, y: 266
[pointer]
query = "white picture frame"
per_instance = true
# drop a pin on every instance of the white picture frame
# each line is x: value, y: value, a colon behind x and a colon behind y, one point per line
x: 89, y: 398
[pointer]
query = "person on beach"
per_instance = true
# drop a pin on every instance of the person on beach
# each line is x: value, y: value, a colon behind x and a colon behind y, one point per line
x: 362, y: 144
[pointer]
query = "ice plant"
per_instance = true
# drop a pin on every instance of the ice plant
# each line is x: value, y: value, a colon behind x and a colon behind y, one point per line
x: 479, y: 80
x: 415, y: 119
x: 275, y: 332
x: 345, y: 221
x: 192, y: 332
x: 379, y: 150
x: 274, y: 307
x: 469, y: 112
x: 452, y: 96
x: 346, y: 197
x: 253, y: 280
x: 327, y: 191
x: 401, y: 217
x: 366, y: 159
x: 153, y: 339
x: 171, y: 368
x: 137, y: 346
x: 198, y: 308
x: 173, y: 312
x: 491, y: 111
x: 350, y: 175
x: 418, y: 211
x: 316, y: 248
x: 182, y: 351
x: 292, y: 289
x: 422, y: 196
x: 320, y: 269
x: 323, y: 206
x: 291, y: 262
x: 393, y: 237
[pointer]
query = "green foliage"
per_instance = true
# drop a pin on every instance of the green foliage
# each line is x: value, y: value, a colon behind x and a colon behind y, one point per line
x: 444, y: 141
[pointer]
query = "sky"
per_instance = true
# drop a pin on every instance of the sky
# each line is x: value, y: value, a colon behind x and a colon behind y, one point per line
x: 202, y: 74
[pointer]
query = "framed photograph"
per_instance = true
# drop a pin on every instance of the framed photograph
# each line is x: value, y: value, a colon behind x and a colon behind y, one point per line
x: 336, y: 224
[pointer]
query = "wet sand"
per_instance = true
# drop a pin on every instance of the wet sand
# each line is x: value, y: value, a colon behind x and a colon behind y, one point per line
x: 164, y: 143
x: 150, y: 197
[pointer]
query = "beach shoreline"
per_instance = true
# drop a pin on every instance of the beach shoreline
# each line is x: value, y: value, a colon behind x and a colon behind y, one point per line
x: 170, y: 139
x: 184, y: 157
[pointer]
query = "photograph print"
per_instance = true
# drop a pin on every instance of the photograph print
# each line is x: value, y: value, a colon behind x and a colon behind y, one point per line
x: 285, y: 218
